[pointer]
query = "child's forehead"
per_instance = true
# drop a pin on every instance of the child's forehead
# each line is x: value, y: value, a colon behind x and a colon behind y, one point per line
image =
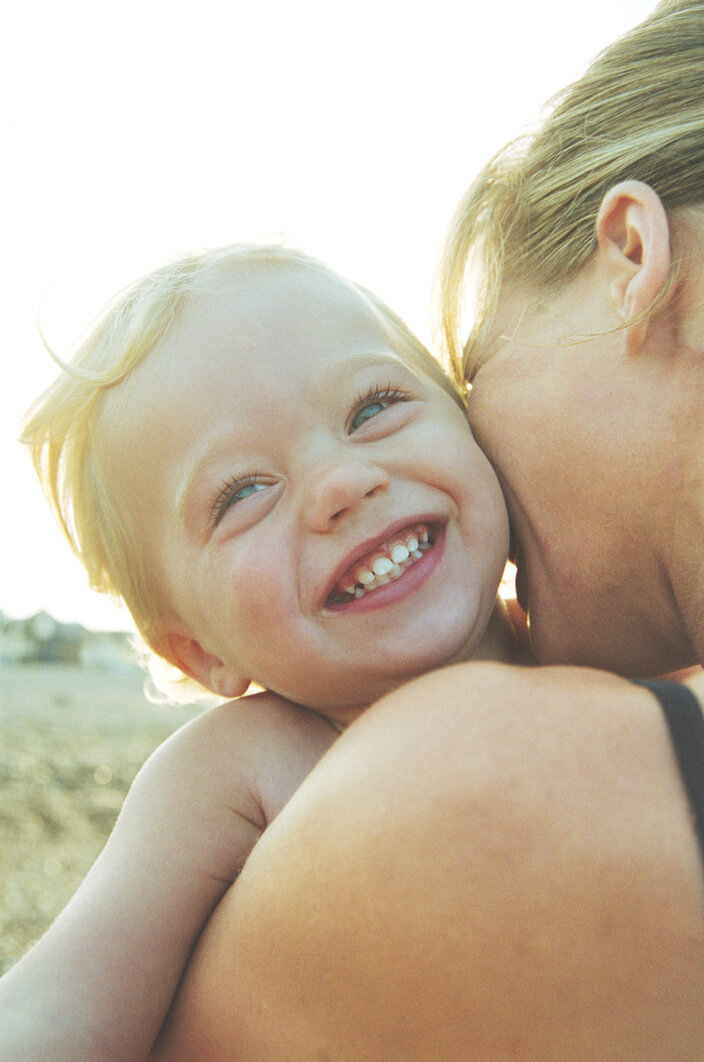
x: 261, y: 322
x: 261, y: 314
x: 242, y: 319
x: 279, y: 288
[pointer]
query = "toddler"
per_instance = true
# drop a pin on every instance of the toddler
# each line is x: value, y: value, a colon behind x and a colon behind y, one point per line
x: 279, y: 481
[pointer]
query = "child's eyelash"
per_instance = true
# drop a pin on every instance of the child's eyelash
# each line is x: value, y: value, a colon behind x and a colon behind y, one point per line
x: 389, y: 391
x: 377, y: 394
x: 227, y: 492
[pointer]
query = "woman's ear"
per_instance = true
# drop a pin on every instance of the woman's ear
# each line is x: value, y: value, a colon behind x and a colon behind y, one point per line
x: 633, y: 236
x: 190, y: 656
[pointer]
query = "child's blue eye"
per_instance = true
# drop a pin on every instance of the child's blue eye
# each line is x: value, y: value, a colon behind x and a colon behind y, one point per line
x: 367, y: 412
x: 374, y: 402
x: 244, y: 492
x: 234, y: 491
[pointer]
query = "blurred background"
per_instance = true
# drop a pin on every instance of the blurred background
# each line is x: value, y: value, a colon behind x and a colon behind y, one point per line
x: 138, y: 131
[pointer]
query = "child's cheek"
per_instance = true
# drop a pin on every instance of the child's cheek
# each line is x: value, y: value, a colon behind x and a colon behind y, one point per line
x: 260, y: 587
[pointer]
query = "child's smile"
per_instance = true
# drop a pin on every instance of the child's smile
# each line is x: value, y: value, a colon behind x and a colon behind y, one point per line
x: 384, y: 564
x: 322, y: 519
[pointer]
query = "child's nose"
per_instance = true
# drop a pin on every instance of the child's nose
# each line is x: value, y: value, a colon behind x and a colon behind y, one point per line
x: 339, y: 488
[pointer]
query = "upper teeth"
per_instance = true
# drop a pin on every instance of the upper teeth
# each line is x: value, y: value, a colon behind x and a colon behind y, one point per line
x: 401, y: 553
x: 384, y: 565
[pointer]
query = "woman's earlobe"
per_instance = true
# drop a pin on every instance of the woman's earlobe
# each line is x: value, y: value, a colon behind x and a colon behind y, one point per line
x: 633, y: 236
x: 203, y: 666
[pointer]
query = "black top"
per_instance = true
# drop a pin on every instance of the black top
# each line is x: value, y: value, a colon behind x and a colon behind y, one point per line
x: 685, y: 721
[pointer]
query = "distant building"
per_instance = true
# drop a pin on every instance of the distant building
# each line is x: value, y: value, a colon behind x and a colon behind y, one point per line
x: 111, y: 650
x: 41, y: 639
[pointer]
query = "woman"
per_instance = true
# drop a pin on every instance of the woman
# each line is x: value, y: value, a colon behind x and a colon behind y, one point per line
x: 588, y: 343
x: 543, y: 899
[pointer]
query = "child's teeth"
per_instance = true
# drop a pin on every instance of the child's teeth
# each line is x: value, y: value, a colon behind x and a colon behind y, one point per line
x: 382, y: 566
x: 364, y: 576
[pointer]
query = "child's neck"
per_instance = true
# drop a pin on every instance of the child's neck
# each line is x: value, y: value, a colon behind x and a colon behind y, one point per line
x: 501, y: 642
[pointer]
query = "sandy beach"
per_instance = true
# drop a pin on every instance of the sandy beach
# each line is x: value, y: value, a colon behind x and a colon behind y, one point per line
x: 71, y: 741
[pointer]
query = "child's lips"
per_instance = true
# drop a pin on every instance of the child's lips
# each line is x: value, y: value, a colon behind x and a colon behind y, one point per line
x: 382, y: 561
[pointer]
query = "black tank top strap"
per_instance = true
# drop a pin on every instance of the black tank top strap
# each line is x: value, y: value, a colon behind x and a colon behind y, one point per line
x: 685, y: 722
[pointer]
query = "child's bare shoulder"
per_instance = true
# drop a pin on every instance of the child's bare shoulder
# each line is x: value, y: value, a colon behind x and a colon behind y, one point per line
x: 262, y: 747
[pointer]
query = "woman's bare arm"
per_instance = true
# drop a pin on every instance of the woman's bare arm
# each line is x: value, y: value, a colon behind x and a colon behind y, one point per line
x: 99, y: 983
x: 491, y: 864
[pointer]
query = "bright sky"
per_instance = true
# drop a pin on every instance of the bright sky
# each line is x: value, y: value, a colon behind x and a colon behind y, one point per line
x: 136, y: 131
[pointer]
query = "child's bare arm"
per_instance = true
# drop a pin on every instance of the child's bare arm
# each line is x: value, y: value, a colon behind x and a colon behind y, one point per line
x: 99, y: 983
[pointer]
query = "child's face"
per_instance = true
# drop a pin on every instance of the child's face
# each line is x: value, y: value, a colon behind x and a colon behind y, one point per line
x: 274, y: 449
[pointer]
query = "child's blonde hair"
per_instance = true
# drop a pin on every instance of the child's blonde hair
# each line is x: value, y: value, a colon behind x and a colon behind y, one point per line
x: 60, y: 427
x: 637, y: 112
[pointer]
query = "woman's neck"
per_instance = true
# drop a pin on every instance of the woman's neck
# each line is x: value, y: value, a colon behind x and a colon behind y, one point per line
x: 506, y: 638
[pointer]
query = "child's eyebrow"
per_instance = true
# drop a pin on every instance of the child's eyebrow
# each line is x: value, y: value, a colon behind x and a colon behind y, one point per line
x: 358, y: 362
x: 384, y: 361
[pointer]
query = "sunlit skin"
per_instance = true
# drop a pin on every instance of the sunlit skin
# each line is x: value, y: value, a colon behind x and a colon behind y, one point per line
x: 316, y: 518
x: 591, y: 428
x: 257, y: 488
x: 525, y: 856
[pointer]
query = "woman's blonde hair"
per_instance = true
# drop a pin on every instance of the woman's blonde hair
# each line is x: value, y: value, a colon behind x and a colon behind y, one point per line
x: 529, y: 216
x: 60, y: 429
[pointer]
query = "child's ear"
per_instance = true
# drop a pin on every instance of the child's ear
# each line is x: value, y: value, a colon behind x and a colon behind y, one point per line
x: 633, y: 236
x: 204, y: 667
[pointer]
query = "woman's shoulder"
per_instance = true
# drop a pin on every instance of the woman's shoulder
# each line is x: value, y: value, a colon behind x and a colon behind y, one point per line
x: 527, y: 828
